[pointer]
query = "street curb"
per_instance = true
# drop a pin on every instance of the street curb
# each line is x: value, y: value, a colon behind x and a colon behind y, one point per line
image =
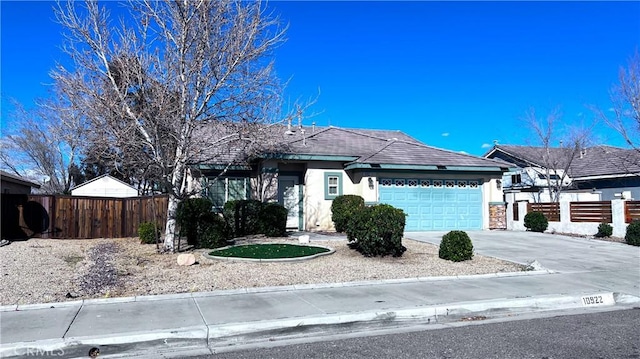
x: 285, y: 288
x: 207, y: 339
x: 226, y: 337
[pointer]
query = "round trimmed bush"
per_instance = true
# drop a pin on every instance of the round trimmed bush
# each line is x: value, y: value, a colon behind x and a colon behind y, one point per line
x: 604, y: 230
x: 377, y: 231
x: 536, y: 222
x: 632, y: 236
x: 456, y: 246
x: 147, y: 232
x: 343, y: 208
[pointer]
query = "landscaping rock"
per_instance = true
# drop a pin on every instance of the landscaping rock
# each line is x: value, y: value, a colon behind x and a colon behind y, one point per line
x: 304, y: 239
x: 534, y: 266
x: 186, y: 259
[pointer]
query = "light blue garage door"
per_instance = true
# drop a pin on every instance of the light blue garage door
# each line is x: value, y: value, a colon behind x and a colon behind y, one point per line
x: 434, y: 204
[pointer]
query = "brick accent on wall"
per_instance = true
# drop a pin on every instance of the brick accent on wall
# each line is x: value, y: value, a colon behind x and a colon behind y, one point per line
x: 498, y: 215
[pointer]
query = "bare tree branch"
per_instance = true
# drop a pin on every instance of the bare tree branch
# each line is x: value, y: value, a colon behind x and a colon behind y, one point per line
x: 559, y: 149
x: 171, y: 82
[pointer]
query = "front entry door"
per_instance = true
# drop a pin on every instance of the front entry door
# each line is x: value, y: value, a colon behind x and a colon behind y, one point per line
x: 289, y: 197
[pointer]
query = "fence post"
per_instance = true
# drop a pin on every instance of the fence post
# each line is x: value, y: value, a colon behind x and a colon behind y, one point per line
x: 618, y: 218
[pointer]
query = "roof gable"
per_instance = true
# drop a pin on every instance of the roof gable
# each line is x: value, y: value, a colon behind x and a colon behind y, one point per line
x: 109, y: 178
x: 589, y: 162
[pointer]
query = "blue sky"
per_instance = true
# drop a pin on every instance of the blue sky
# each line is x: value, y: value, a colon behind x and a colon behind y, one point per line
x: 455, y: 75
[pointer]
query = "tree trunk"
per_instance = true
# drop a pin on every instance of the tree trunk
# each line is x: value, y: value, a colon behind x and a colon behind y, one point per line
x: 170, y: 228
x: 177, y: 183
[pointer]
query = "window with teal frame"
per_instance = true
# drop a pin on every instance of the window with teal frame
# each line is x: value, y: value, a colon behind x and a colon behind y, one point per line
x: 221, y: 190
x: 332, y: 185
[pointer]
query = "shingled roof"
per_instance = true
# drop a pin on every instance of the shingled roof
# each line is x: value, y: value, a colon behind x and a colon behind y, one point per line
x: 383, y: 147
x: 596, y: 161
x: 366, y: 146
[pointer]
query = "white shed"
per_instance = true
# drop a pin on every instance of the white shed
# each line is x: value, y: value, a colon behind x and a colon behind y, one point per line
x: 104, y: 186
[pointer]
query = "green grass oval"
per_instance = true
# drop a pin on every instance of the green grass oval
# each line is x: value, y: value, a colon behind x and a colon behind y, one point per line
x: 268, y: 251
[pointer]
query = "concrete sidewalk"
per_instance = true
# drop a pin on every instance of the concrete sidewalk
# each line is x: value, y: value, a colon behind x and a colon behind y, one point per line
x: 200, y: 323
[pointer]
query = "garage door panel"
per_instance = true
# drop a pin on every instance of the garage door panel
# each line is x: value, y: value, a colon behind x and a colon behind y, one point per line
x: 435, y: 204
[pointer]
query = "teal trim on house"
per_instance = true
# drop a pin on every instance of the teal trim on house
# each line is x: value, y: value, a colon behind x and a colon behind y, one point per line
x: 386, y: 166
x: 476, y: 169
x: 269, y: 170
x: 327, y: 194
x: 497, y: 203
x: 311, y: 157
x: 223, y: 167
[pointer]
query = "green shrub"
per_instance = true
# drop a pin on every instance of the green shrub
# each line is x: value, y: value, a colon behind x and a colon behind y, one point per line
x: 377, y: 230
x: 536, y: 222
x: 147, y: 232
x: 604, y: 230
x: 243, y: 217
x: 214, y: 233
x: 273, y: 220
x: 191, y: 215
x: 632, y: 236
x: 202, y: 227
x: 343, y: 208
x: 456, y: 246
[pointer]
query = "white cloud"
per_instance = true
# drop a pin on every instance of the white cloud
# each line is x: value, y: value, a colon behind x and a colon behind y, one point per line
x: 445, y: 134
x: 486, y: 145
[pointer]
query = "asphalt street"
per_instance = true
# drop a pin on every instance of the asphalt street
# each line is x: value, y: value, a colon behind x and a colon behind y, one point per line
x: 612, y: 334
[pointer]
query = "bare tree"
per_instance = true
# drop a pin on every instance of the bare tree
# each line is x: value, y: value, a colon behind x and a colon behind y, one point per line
x: 176, y: 83
x: 624, y: 115
x: 45, y: 144
x: 556, y: 160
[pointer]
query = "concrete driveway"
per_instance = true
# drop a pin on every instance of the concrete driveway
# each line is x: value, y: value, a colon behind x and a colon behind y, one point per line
x: 588, y: 260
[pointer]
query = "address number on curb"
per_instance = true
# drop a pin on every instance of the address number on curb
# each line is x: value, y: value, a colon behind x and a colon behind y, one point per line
x: 597, y: 300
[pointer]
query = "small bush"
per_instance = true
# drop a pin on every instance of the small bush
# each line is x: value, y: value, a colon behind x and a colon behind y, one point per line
x: 377, y: 231
x: 536, y: 222
x: 456, y: 246
x: 243, y: 217
x: 273, y: 220
x: 343, y: 208
x: 632, y: 236
x: 604, y: 230
x: 147, y: 232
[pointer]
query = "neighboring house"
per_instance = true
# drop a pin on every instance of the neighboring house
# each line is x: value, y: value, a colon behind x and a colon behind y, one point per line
x: 436, y: 188
x: 14, y: 184
x: 104, y: 186
x: 595, y: 173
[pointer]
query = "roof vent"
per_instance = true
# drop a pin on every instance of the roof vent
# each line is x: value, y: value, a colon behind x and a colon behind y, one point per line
x: 289, y: 131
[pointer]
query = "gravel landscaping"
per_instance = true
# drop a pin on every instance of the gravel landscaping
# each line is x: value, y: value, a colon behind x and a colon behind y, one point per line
x: 53, y: 270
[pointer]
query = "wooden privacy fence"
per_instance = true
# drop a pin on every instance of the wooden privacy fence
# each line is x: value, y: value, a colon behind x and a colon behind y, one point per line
x: 631, y: 211
x: 551, y: 211
x: 593, y: 211
x: 79, y: 217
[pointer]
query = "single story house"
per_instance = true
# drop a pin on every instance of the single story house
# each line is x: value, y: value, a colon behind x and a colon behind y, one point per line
x: 104, y: 186
x: 598, y: 173
x: 437, y: 189
x: 14, y: 184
